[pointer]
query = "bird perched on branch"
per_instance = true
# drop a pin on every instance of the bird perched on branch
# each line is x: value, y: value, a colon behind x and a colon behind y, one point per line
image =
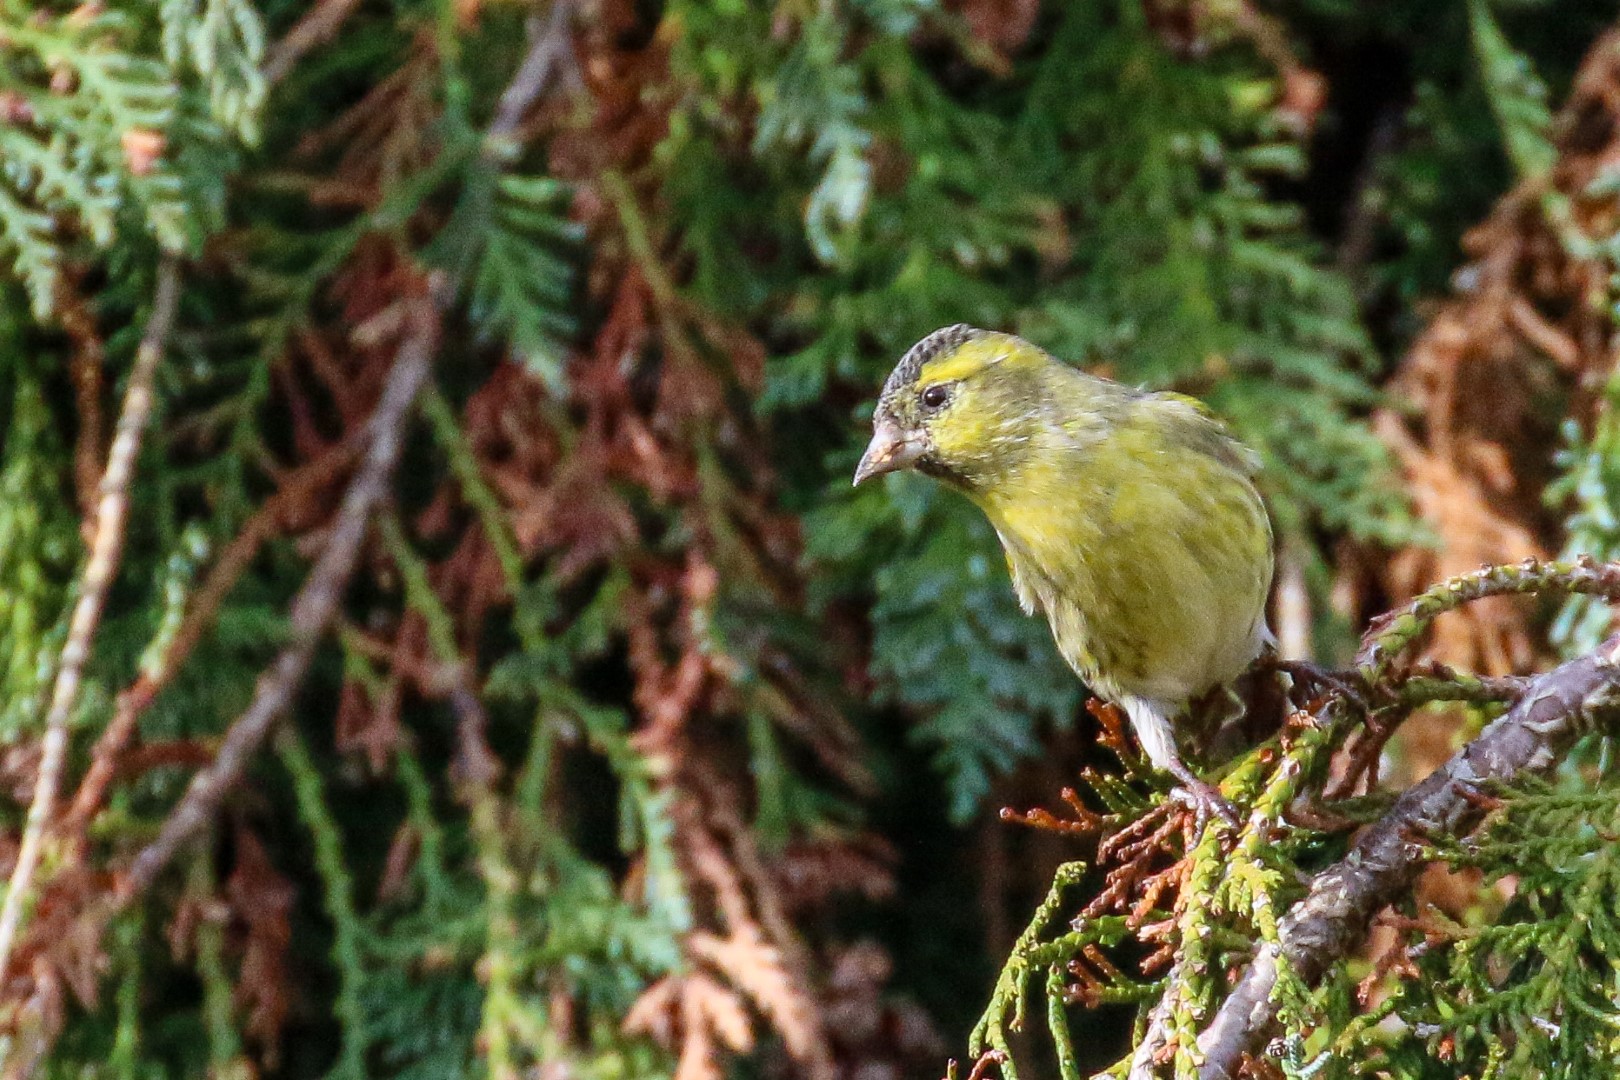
x: 1129, y: 518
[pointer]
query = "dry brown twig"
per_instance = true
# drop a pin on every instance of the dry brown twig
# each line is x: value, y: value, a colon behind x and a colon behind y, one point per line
x: 981, y: 1067
x: 85, y: 365
x: 112, y: 508
x: 319, y: 25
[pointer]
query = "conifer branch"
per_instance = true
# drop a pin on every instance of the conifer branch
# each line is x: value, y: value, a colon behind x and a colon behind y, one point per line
x: 313, y: 609
x: 106, y: 547
x: 222, y: 577
x: 1530, y: 739
x: 1391, y: 634
x: 316, y: 604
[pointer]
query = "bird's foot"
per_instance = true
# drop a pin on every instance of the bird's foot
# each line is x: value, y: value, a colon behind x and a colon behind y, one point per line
x: 1316, y: 681
x: 1204, y: 801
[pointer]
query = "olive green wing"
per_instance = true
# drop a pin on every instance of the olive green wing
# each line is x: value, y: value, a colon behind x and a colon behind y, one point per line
x: 1197, y: 428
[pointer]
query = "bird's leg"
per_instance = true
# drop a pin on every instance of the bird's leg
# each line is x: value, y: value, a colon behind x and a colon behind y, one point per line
x: 1151, y: 721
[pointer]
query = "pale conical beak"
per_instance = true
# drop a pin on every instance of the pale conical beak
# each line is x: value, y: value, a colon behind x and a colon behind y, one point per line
x: 890, y: 450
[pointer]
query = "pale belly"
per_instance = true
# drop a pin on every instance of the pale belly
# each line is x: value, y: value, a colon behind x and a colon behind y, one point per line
x: 1170, y: 669
x: 1164, y: 629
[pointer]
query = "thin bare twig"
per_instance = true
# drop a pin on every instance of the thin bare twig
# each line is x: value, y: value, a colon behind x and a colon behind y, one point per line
x: 550, y: 53
x: 313, y: 609
x: 319, y: 25
x: 112, y: 507
x: 1531, y: 738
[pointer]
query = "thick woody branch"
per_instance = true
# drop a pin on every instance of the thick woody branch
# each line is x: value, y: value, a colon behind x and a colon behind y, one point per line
x: 313, y: 609
x: 107, y: 545
x: 1555, y: 710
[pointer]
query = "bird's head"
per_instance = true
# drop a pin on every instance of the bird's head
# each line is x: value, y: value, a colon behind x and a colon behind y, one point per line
x: 964, y: 405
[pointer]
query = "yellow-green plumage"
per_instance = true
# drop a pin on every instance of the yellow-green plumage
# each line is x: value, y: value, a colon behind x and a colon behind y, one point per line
x: 1129, y: 519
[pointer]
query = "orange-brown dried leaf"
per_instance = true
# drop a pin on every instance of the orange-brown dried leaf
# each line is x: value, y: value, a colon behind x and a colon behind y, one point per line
x: 759, y: 970
x: 1002, y: 25
x: 707, y: 1003
x: 654, y: 1013
x: 143, y: 148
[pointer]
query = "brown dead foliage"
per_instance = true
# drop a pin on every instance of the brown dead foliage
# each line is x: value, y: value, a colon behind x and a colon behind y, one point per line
x: 1522, y: 343
x: 642, y: 441
x: 1002, y: 25
x: 261, y: 899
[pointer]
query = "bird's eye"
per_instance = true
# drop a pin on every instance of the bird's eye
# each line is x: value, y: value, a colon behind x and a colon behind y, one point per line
x: 935, y: 397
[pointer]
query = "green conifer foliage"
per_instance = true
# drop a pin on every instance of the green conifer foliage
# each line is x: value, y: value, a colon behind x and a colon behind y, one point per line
x: 579, y: 778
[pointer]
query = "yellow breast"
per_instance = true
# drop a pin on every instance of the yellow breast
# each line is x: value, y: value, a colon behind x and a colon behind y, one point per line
x: 1151, y: 563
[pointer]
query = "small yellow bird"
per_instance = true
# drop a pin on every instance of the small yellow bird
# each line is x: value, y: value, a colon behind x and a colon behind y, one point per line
x: 1129, y: 518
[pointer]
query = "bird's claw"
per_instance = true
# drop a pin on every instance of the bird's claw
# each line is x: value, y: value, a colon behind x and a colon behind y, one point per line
x: 1204, y: 801
x: 1315, y: 680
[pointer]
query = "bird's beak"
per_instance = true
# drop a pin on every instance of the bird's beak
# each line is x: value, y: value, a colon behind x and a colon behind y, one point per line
x: 890, y: 450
